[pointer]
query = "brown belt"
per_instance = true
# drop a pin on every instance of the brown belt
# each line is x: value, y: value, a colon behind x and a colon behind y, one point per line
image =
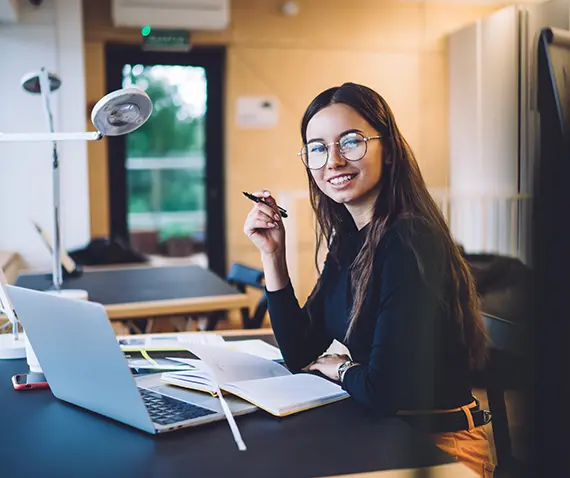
x: 466, y: 417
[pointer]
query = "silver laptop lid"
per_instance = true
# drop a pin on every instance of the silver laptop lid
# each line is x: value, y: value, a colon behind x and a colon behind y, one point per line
x: 79, y: 354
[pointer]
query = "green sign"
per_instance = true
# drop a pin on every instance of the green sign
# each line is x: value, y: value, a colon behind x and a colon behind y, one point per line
x: 170, y: 40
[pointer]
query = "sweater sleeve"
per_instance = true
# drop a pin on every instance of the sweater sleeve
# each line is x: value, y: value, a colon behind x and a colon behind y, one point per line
x: 402, y: 354
x: 300, y: 338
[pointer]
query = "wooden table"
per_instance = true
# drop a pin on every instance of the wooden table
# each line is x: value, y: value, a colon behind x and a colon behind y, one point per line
x: 135, y: 292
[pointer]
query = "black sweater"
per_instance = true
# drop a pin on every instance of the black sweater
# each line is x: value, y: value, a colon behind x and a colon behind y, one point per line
x: 409, y: 354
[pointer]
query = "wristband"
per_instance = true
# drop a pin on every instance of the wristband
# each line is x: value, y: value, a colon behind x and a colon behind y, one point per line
x: 342, y: 368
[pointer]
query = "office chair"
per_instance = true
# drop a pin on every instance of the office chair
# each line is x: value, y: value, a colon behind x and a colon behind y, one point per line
x: 506, y: 369
x: 242, y: 277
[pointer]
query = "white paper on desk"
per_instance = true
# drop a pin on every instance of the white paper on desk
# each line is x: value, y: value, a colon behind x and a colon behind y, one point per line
x: 233, y: 366
x: 199, y: 338
x: 255, y: 347
x: 167, y: 341
x: 158, y: 364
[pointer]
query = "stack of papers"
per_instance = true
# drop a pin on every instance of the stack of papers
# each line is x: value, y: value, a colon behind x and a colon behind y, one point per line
x: 181, y: 341
x: 159, y: 364
x: 164, y: 342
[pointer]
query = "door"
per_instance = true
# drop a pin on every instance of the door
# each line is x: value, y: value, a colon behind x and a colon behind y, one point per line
x: 166, y: 179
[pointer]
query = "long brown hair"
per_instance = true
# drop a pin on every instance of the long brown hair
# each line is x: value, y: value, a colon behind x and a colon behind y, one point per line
x: 402, y: 192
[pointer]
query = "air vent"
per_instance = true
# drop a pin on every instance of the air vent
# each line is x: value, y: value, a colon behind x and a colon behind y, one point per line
x: 179, y: 14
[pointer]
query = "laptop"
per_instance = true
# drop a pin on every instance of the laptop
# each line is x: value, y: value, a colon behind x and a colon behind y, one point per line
x: 83, y: 363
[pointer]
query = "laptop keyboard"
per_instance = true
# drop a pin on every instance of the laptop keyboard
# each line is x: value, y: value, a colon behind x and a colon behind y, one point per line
x: 165, y: 410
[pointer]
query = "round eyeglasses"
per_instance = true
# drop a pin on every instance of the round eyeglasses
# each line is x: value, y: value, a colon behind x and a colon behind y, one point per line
x: 352, y: 147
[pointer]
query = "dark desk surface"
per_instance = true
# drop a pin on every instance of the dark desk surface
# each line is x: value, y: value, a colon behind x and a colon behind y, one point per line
x: 44, y: 437
x: 146, y: 291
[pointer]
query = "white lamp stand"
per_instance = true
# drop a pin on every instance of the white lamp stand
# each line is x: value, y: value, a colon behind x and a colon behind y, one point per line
x: 117, y: 113
x: 13, y: 345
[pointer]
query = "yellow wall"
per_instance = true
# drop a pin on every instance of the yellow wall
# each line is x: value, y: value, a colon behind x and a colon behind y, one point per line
x: 395, y: 47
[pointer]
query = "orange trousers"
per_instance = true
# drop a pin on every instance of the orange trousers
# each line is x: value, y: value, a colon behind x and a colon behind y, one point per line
x: 470, y: 447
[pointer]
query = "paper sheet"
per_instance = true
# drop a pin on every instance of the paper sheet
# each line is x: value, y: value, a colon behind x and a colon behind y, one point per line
x: 337, y: 348
x: 255, y: 347
x: 157, y: 364
x: 232, y: 366
x: 283, y: 395
x: 167, y: 341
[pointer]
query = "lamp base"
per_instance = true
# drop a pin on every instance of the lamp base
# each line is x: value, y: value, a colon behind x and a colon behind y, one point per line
x: 12, y: 349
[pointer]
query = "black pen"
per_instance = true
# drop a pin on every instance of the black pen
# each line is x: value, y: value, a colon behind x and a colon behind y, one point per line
x: 256, y: 199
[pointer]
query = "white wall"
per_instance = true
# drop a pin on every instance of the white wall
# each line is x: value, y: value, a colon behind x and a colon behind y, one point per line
x: 494, y: 121
x: 50, y: 36
x: 484, y: 142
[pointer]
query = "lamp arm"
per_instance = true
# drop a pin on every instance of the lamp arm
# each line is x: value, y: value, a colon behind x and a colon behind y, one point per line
x: 19, y: 137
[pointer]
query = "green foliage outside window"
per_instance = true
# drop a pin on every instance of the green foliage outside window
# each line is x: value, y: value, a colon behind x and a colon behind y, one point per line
x: 174, y: 130
x: 170, y: 131
x: 182, y: 190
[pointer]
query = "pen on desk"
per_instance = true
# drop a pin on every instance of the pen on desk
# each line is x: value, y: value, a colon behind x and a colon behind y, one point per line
x: 256, y: 199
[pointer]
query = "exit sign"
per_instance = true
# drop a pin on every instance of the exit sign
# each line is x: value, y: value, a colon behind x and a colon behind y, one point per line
x: 165, y: 40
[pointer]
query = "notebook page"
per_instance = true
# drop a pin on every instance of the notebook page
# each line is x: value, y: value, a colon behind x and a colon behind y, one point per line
x: 287, y: 394
x: 191, y: 383
x: 198, y: 378
x: 255, y: 347
x: 233, y: 366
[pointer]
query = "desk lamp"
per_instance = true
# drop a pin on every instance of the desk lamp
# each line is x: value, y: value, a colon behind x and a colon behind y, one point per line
x: 117, y: 113
x: 12, y: 346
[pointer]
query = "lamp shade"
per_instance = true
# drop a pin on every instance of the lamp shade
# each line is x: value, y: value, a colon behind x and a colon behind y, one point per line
x: 31, y: 82
x: 121, y: 111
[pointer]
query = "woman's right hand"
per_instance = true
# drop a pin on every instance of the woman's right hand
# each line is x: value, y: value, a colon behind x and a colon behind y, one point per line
x: 264, y: 225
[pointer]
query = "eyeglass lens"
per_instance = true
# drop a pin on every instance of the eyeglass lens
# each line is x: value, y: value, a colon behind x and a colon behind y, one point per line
x: 352, y: 146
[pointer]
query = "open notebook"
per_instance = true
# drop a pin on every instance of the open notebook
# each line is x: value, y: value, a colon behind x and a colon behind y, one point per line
x: 265, y: 383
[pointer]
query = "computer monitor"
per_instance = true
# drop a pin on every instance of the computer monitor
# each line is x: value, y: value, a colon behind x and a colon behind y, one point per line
x: 551, y: 258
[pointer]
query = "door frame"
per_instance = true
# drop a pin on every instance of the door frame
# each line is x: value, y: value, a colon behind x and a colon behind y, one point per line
x: 213, y: 60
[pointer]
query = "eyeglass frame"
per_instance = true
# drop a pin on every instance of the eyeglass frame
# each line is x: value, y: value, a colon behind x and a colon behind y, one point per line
x: 327, y: 145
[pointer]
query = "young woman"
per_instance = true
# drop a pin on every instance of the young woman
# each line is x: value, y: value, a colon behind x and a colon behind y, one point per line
x: 394, y: 288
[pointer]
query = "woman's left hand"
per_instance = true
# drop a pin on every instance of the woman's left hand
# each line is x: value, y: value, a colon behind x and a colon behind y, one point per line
x: 328, y: 365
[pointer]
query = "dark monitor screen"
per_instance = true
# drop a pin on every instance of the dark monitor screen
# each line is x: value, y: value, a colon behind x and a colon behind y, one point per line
x: 551, y: 259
